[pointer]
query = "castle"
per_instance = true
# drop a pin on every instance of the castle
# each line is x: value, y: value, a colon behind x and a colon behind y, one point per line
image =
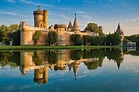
x: 41, y: 24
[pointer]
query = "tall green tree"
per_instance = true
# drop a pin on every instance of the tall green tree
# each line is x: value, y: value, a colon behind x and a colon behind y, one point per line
x: 15, y: 37
x: 4, y: 31
x: 93, y: 27
x: 98, y: 40
x: 86, y: 40
x: 76, y: 39
x: 14, y: 27
x: 52, y: 38
x: 36, y: 36
x: 113, y: 39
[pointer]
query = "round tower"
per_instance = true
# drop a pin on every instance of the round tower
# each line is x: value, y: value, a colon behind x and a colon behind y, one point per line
x: 45, y: 18
x: 38, y: 17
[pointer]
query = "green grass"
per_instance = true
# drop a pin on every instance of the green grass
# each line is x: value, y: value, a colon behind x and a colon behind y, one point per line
x: 52, y: 47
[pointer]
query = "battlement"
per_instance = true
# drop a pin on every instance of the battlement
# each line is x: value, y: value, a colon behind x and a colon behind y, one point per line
x: 25, y: 27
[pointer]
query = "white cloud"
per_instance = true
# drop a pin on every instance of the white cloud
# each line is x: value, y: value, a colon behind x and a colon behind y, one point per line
x: 135, y: 19
x: 81, y: 12
x: 33, y: 3
x: 13, y: 14
x: 65, y: 17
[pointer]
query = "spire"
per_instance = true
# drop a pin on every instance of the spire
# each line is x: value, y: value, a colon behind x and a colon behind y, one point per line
x: 75, y: 26
x: 39, y: 9
x: 70, y: 26
x: 119, y: 30
x: 119, y: 26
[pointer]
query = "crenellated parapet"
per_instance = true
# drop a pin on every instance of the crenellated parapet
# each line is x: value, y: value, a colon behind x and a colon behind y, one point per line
x: 25, y: 27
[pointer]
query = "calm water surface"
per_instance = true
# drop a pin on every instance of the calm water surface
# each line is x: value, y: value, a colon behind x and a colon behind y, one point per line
x: 100, y: 70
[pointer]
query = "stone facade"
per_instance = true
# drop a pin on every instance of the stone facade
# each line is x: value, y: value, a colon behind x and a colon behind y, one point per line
x: 41, y: 24
x: 40, y: 18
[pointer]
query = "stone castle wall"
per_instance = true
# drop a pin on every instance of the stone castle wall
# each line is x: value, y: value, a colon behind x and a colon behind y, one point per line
x: 41, y: 24
x: 27, y: 32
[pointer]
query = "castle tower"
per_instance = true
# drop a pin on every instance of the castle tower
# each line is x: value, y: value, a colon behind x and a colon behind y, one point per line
x: 70, y: 26
x: 119, y: 31
x: 45, y: 19
x: 40, y: 18
x: 75, y: 26
x: 60, y: 29
x: 25, y: 34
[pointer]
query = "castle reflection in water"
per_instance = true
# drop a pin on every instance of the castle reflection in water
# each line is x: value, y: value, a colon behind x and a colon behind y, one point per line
x: 41, y: 61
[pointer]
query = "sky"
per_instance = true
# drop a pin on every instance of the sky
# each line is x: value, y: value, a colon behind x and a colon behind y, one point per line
x: 106, y: 13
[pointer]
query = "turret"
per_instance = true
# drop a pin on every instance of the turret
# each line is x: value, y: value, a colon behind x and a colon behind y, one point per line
x: 60, y: 29
x: 38, y: 17
x: 23, y: 24
x: 45, y: 18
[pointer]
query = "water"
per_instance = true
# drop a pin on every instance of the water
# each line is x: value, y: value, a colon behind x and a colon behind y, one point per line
x: 99, y: 70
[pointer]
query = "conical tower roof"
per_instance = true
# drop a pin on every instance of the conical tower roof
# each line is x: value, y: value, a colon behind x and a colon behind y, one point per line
x: 70, y: 25
x: 119, y: 30
x: 75, y: 25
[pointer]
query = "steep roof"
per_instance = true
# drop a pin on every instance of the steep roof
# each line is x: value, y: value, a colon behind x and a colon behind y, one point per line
x: 119, y: 30
x: 75, y: 24
x: 70, y: 25
x: 60, y: 26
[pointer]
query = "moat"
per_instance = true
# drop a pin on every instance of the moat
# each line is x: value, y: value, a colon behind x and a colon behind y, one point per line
x: 90, y: 70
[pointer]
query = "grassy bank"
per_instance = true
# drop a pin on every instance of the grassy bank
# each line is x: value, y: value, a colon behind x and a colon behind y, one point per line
x: 52, y: 47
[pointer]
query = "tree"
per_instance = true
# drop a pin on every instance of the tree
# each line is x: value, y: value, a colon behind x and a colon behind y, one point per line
x: 133, y: 38
x: 76, y: 39
x: 4, y: 31
x: 98, y: 40
x: 93, y: 27
x: 36, y: 36
x: 113, y: 39
x: 14, y: 27
x: 52, y: 37
x: 15, y: 37
x: 86, y: 40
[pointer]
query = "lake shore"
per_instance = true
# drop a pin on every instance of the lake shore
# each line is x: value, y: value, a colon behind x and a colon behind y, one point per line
x: 52, y: 47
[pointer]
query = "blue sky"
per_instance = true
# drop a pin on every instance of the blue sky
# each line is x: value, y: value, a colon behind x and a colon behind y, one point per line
x: 106, y: 13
